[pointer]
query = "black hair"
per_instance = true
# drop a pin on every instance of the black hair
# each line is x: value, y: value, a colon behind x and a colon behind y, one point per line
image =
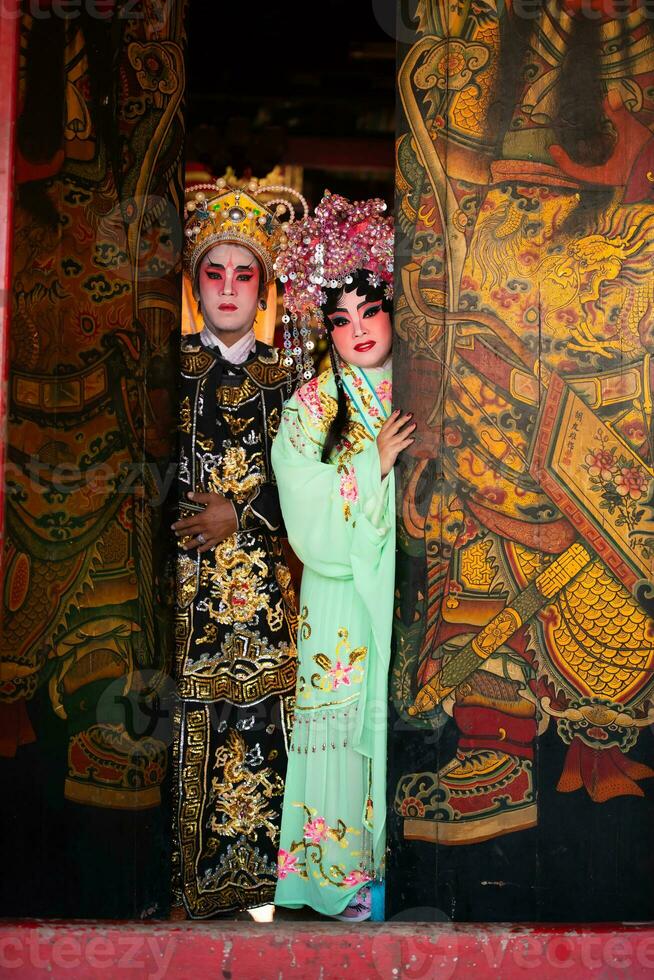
x: 582, y: 127
x: 372, y: 294
x: 580, y: 124
x: 514, y: 47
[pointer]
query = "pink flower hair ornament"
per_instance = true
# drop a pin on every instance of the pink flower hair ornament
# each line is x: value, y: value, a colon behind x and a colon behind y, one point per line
x: 323, y: 251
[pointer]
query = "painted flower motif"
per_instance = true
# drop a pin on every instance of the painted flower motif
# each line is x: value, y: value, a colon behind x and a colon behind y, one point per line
x: 316, y: 830
x: 155, y: 67
x: 349, y: 489
x: 373, y: 411
x: 411, y: 806
x: 451, y: 64
x: 600, y: 463
x: 86, y: 327
x: 125, y: 515
x: 385, y: 390
x: 340, y: 674
x: 631, y: 481
x: 286, y: 864
x: 357, y: 878
x: 495, y: 634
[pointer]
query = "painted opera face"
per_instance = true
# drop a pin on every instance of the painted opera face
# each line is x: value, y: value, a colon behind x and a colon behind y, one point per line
x: 362, y: 330
x: 229, y: 285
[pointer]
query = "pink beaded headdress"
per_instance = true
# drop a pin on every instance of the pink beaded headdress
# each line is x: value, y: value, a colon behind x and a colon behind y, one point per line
x: 324, y: 251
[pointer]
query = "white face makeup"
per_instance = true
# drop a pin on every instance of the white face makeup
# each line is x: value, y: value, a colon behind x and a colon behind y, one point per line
x: 229, y: 280
x: 362, y: 331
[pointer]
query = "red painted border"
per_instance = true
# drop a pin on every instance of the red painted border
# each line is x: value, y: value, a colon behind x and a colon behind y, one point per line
x: 391, y: 951
x: 9, y: 27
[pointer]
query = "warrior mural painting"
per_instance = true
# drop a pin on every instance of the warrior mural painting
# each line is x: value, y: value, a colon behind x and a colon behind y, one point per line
x: 236, y: 609
x: 84, y: 626
x: 525, y: 325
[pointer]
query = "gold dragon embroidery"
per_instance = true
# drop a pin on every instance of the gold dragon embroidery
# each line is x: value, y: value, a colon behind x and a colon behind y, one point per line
x: 241, y: 796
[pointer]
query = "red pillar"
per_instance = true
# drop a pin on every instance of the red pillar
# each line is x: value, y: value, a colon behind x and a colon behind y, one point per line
x: 9, y: 26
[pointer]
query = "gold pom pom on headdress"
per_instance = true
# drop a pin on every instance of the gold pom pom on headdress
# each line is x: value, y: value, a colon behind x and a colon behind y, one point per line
x: 255, y: 216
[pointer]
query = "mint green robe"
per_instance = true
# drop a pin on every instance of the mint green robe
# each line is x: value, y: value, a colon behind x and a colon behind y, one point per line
x: 340, y: 521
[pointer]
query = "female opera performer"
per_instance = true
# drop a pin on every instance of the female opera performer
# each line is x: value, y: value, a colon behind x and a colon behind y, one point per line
x: 333, y: 460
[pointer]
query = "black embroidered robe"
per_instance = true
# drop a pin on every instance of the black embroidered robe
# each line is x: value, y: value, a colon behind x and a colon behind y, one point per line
x: 235, y: 631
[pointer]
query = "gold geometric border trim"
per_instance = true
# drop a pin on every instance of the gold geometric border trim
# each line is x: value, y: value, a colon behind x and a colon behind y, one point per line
x: 280, y: 680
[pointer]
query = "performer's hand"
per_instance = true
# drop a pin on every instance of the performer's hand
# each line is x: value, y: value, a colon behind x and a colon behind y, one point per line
x: 210, y: 526
x: 394, y: 436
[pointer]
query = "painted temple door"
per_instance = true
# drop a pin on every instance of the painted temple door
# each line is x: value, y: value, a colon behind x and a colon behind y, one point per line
x: 521, y: 757
x: 85, y: 636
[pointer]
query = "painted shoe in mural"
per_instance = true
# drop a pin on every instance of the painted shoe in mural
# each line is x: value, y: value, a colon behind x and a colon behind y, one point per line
x: 106, y: 767
x: 480, y: 794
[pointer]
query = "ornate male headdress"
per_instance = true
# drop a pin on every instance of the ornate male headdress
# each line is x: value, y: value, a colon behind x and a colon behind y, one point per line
x: 254, y: 217
x: 324, y: 251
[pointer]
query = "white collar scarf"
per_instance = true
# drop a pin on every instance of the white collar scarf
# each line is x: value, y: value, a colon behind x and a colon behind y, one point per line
x: 237, y: 353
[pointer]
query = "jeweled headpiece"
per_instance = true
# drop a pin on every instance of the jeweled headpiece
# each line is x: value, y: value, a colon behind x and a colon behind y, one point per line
x: 324, y: 250
x: 253, y: 217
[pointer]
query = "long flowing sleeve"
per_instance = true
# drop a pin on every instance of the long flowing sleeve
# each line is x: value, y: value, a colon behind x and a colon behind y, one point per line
x: 332, y: 511
x: 339, y: 518
x: 261, y: 511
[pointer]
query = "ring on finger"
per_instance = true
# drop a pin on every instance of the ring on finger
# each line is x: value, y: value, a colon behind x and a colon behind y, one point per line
x: 201, y: 538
